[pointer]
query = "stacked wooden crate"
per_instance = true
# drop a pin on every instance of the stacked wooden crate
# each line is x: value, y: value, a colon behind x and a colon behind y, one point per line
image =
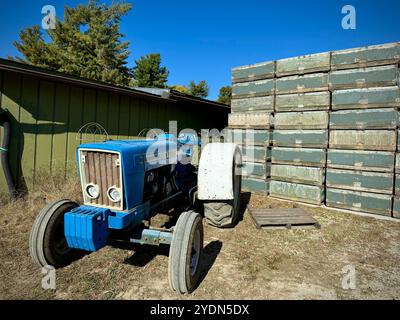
x: 363, y: 128
x: 300, y: 135
x: 251, y: 121
x: 335, y: 120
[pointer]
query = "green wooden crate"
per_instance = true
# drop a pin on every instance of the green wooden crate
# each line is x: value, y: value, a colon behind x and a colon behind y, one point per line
x: 360, y: 180
x: 249, y: 136
x: 303, y: 101
x: 364, y: 78
x: 250, y: 120
x: 396, y: 207
x: 301, y: 84
x: 386, y: 118
x: 256, y: 170
x: 382, y: 97
x: 298, y: 174
x: 258, y: 186
x: 297, y: 192
x: 256, y: 154
x: 377, y: 161
x: 302, y: 120
x: 252, y: 72
x: 366, y: 56
x: 303, y: 64
x: 384, y: 140
x: 299, y: 156
x: 397, y: 185
x: 255, y: 104
x: 300, y: 138
x: 397, y: 166
x: 359, y: 201
x: 253, y: 88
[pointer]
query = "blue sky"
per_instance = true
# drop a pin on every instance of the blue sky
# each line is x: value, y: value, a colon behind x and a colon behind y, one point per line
x: 205, y: 39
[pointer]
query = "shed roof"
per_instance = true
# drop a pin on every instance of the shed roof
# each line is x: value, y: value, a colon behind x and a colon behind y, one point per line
x: 144, y: 93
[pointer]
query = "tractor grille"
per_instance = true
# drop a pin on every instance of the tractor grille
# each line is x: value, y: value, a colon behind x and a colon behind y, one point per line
x: 103, y: 169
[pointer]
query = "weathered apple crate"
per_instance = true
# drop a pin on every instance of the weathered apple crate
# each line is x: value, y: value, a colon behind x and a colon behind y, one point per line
x: 251, y: 137
x: 364, y: 78
x: 359, y: 201
x: 381, y: 97
x: 262, y: 120
x: 301, y: 84
x: 252, y: 72
x: 300, y: 138
x: 299, y: 156
x: 360, y: 180
x: 256, y: 170
x: 255, y: 104
x: 297, y: 192
x: 301, y: 120
x: 377, y: 161
x: 312, y: 101
x: 386, y: 118
x: 396, y: 198
x: 253, y: 89
x: 396, y: 207
x: 256, y: 154
x: 397, y: 166
x: 254, y: 185
x: 384, y: 140
x: 298, y: 174
x: 366, y: 56
x: 303, y: 64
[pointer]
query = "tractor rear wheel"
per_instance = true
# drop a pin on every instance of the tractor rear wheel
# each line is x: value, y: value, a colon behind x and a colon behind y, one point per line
x: 185, y: 252
x: 225, y: 213
x: 47, y: 243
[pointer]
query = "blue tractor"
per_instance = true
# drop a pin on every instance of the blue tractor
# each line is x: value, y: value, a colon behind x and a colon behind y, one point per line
x: 124, y: 183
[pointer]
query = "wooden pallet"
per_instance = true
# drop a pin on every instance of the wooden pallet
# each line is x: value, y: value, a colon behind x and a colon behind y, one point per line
x: 281, y: 218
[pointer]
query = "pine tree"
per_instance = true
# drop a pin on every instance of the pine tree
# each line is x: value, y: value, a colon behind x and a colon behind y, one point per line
x: 198, y: 90
x: 225, y: 95
x: 87, y: 43
x: 149, y: 73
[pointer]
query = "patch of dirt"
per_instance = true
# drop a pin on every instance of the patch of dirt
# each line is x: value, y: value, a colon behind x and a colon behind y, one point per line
x: 238, y: 263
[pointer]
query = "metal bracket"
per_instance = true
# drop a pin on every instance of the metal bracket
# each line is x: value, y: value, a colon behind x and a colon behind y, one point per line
x: 153, y: 236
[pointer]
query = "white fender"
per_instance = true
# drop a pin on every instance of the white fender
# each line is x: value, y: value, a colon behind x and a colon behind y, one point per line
x: 215, y: 173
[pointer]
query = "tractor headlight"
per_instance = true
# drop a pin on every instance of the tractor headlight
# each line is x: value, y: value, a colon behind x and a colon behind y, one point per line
x: 114, y: 194
x: 92, y: 191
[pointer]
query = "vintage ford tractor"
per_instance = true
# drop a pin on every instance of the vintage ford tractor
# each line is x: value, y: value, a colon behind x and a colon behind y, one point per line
x: 125, y: 183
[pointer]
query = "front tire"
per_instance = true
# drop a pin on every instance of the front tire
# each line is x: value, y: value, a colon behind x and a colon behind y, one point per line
x: 186, y: 252
x: 47, y: 243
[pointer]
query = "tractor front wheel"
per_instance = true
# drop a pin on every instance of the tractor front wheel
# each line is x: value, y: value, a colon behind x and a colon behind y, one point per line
x: 185, y: 252
x: 47, y: 243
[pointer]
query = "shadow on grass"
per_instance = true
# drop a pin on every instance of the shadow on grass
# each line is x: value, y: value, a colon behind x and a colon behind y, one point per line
x: 145, y: 253
x: 244, y: 201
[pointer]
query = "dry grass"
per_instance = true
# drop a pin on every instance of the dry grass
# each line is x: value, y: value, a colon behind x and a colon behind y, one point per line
x: 238, y: 263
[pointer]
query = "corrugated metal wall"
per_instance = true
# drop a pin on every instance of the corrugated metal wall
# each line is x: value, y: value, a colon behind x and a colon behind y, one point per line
x: 46, y: 116
x: 334, y: 118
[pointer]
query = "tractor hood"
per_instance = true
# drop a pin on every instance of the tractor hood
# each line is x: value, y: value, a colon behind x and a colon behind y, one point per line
x: 135, y: 158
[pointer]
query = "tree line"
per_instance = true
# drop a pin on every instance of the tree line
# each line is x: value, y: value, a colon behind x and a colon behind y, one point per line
x: 88, y: 43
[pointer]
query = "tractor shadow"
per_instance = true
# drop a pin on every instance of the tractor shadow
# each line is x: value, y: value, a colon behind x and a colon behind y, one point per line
x: 210, y: 254
x: 244, y: 201
x: 145, y: 253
